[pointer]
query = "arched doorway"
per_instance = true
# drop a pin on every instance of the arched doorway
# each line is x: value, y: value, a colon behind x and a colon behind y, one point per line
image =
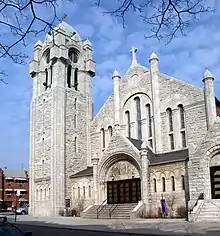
x: 120, y: 178
x: 215, y: 176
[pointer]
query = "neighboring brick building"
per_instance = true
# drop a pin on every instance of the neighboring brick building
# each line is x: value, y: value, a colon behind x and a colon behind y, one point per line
x: 14, y: 187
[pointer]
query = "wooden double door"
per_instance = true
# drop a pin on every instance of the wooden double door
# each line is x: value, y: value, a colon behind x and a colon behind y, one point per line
x: 124, y: 191
x: 215, y: 181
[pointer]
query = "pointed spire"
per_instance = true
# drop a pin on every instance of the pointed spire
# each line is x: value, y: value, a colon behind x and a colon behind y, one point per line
x: 115, y: 74
x: 38, y: 43
x: 207, y: 74
x: 87, y: 42
x: 134, y: 58
x: 153, y: 56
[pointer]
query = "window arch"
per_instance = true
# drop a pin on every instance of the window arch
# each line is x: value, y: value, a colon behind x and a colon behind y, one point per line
x: 155, y: 185
x: 183, y: 182
x: 128, y: 123
x: 173, y: 183
x: 103, y: 138
x: 79, y: 192
x: 182, y: 116
x: 73, y: 55
x: 110, y: 130
x: 138, y: 117
x: 75, y: 144
x: 163, y: 184
x: 47, y: 56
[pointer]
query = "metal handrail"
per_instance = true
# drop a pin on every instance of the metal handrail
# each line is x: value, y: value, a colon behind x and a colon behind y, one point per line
x: 100, y: 207
x: 200, y: 197
x: 114, y: 206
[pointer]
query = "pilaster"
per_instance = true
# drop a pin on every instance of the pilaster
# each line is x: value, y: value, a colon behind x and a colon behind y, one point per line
x: 95, y: 161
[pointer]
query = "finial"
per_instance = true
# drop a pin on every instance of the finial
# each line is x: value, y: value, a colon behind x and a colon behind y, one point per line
x: 207, y: 74
x: 64, y: 17
x: 134, y: 59
x: 115, y: 73
x: 153, y: 56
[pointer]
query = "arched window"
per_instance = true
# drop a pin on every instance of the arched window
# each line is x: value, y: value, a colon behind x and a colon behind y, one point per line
x: 69, y: 73
x: 45, y: 194
x: 73, y: 55
x: 155, y: 185
x: 75, y: 121
x: 47, y: 56
x: 90, y: 193
x: 182, y: 117
x: 149, y: 123
x: 110, y: 131
x: 163, y: 184
x: 170, y: 119
x: 48, y: 193
x: 75, y: 144
x: 103, y: 137
x: 183, y: 182
x: 46, y: 79
x: 173, y: 183
x: 138, y: 117
x: 128, y: 123
x: 79, y: 192
x: 41, y: 194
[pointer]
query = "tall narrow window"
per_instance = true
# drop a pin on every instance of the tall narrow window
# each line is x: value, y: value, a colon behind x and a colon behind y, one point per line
x: 183, y: 182
x: 183, y: 137
x: 48, y: 193
x: 182, y: 118
x: 76, y: 79
x: 103, y: 137
x: 170, y: 119
x: 75, y: 144
x: 163, y: 185
x: 84, y: 192
x: 110, y: 131
x: 74, y: 121
x: 128, y: 123
x: 79, y: 192
x: 45, y: 194
x: 149, y: 123
x: 75, y: 103
x: 138, y: 117
x: 47, y: 57
x: 90, y: 194
x: 155, y: 185
x: 73, y: 55
x: 41, y: 194
x: 37, y: 195
x: 173, y: 183
x: 69, y: 73
x: 46, y: 79
x: 51, y: 74
x: 172, y: 146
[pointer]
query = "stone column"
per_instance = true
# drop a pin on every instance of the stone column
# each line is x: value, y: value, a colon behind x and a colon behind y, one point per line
x: 95, y: 161
x: 209, y: 94
x: 156, y: 102
x: 116, y: 90
x: 144, y: 175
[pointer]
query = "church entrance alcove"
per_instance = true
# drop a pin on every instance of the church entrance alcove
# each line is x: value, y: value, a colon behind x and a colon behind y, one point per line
x: 215, y: 176
x: 215, y: 181
x: 123, y: 183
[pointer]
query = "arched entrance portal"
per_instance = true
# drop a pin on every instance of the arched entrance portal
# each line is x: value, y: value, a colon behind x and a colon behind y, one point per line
x: 121, y: 180
x: 215, y: 176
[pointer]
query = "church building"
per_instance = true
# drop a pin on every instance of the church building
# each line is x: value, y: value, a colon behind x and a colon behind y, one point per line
x: 155, y: 137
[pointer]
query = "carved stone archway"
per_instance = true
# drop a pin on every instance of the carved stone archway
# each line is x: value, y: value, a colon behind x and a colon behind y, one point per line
x: 119, y: 166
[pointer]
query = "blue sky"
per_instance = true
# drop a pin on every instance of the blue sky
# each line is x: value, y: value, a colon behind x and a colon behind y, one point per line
x: 184, y: 58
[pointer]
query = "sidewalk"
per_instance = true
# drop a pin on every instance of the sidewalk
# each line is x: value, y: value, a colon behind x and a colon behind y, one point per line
x: 167, y: 226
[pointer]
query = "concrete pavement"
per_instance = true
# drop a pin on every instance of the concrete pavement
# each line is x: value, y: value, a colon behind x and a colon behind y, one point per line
x: 139, y: 226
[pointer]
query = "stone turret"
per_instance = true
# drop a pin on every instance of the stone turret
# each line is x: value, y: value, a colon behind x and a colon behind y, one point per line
x: 154, y: 70
x: 116, y: 90
x: 209, y: 95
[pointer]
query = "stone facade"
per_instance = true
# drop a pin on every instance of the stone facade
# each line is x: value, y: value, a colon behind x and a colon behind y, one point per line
x: 153, y: 127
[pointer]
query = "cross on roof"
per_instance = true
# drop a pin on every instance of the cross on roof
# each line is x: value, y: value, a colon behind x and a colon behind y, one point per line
x: 64, y: 17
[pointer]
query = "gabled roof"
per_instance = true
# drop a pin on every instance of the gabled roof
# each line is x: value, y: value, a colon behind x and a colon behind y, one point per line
x: 86, y: 172
x: 162, y: 158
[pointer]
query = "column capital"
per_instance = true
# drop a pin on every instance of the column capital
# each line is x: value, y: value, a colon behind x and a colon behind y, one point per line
x: 95, y: 159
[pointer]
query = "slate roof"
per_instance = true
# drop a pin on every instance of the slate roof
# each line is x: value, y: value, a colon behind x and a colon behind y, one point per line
x: 163, y: 158
x: 85, y: 172
x: 14, y: 173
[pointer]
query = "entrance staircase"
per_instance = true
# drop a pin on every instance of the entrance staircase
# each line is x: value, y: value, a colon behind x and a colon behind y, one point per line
x: 110, y: 211
x: 210, y: 211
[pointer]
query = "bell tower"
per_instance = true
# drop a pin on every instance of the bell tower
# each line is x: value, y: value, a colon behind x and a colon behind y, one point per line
x: 61, y: 112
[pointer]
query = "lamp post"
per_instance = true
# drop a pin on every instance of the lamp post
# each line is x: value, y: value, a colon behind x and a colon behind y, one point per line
x: 16, y: 205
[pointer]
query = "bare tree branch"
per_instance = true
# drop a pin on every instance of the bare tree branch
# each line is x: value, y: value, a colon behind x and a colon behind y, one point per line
x: 166, y: 18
